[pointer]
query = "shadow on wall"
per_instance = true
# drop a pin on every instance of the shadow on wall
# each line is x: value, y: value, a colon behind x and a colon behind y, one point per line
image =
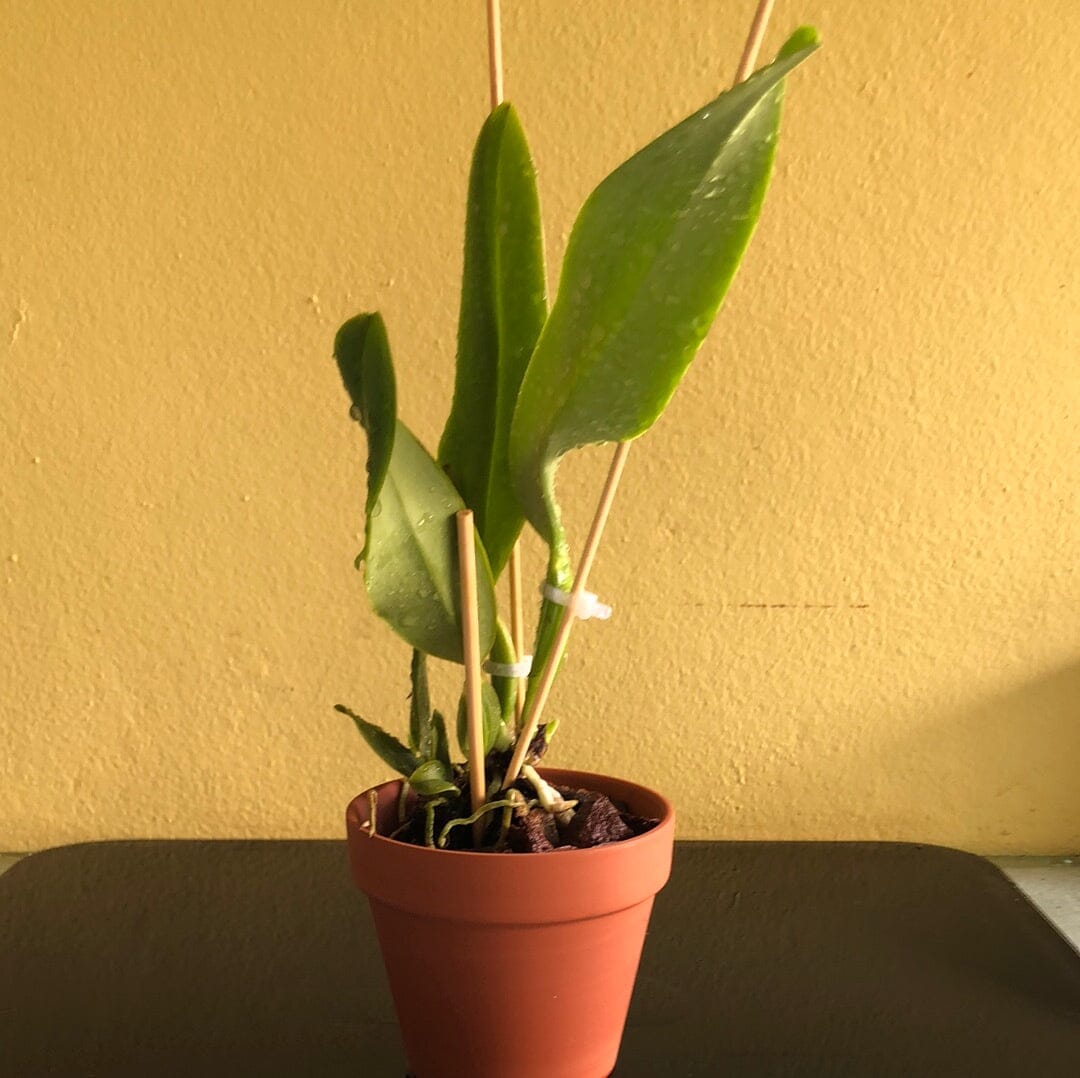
x: 1020, y: 753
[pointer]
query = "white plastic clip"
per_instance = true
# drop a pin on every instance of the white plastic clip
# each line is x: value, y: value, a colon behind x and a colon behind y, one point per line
x: 522, y: 668
x: 587, y: 605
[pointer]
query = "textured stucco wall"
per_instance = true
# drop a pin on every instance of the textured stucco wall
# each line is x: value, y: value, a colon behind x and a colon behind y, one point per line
x: 845, y: 564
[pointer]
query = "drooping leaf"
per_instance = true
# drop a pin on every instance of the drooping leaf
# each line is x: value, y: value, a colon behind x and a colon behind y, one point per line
x: 491, y: 714
x: 419, y: 706
x: 386, y: 746
x: 362, y: 352
x: 432, y: 777
x: 503, y: 307
x: 410, y: 553
x: 647, y: 264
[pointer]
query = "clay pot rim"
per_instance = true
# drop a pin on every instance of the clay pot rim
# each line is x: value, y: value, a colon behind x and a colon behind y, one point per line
x: 359, y: 804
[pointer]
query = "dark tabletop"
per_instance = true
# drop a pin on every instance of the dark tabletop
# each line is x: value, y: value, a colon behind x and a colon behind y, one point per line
x: 782, y: 959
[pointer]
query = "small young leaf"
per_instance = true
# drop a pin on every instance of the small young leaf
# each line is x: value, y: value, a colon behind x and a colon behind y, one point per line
x: 491, y: 710
x: 420, y: 706
x: 648, y: 262
x: 503, y: 307
x: 432, y: 777
x: 389, y: 749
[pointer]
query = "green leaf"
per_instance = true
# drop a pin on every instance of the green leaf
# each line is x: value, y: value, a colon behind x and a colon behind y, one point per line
x: 440, y: 740
x: 491, y: 714
x: 648, y: 262
x: 410, y: 553
x: 419, y: 706
x: 389, y: 749
x: 411, y: 566
x: 432, y: 777
x: 503, y: 307
x: 362, y: 352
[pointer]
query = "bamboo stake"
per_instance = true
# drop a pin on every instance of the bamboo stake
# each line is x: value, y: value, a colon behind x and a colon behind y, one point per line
x: 607, y: 495
x: 753, y: 40
x: 470, y: 640
x: 517, y: 618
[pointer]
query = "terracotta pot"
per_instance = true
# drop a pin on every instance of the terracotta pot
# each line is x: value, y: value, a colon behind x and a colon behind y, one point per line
x: 512, y: 965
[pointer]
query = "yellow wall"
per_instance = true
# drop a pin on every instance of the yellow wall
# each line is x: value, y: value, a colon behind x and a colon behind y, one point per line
x: 845, y: 564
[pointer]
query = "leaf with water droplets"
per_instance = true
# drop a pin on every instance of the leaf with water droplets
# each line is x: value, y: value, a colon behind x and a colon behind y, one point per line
x: 648, y: 262
x: 411, y: 572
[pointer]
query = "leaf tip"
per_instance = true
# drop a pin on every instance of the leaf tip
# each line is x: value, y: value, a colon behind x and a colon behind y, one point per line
x: 805, y: 37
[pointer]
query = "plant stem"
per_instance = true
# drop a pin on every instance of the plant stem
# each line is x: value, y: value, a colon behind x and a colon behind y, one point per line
x: 551, y: 666
x: 517, y: 630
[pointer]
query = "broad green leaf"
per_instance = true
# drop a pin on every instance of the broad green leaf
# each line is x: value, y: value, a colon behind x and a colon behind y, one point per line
x: 503, y: 307
x: 363, y: 356
x: 491, y: 714
x: 420, y: 706
x: 648, y: 262
x: 386, y: 746
x: 432, y: 777
x: 411, y: 565
x: 410, y: 552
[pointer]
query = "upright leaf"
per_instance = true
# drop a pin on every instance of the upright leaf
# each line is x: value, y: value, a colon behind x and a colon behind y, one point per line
x: 419, y: 706
x: 440, y: 741
x: 503, y: 306
x: 410, y: 553
x: 647, y: 264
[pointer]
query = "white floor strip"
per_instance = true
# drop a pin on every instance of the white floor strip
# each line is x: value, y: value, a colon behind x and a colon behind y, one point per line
x: 1053, y: 884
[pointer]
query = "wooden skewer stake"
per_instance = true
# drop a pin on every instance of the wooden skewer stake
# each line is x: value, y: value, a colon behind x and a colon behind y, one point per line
x: 470, y: 640
x: 753, y: 40
x: 607, y: 495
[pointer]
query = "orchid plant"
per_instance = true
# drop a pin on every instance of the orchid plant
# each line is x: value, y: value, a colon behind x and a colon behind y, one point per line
x: 648, y: 262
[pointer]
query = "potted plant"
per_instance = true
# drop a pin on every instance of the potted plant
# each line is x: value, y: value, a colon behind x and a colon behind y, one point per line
x: 511, y: 902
